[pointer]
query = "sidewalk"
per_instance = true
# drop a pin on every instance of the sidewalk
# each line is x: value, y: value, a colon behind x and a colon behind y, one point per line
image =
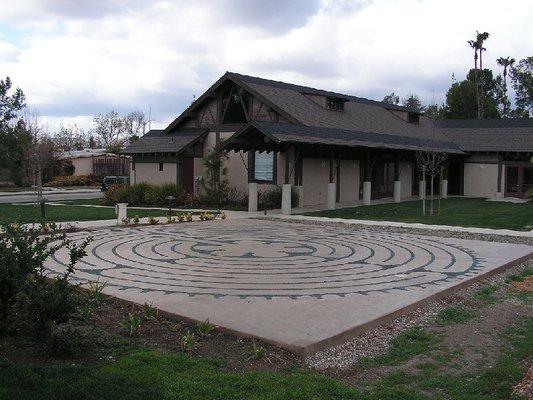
x: 51, y: 191
x: 326, y: 220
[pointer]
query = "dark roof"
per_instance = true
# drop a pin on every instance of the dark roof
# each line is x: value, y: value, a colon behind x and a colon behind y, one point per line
x: 155, y: 141
x: 281, y: 133
x: 313, y: 91
x: 487, y: 123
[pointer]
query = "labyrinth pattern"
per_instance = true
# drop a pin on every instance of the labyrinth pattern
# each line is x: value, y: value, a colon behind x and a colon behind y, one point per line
x: 267, y: 260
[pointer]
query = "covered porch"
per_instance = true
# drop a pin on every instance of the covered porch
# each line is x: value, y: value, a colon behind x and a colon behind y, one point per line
x: 330, y: 168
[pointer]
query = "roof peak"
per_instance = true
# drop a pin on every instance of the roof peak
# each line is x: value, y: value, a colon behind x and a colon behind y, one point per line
x: 310, y: 90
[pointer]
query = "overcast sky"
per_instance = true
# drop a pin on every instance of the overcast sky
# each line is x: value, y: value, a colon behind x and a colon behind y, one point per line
x: 76, y: 58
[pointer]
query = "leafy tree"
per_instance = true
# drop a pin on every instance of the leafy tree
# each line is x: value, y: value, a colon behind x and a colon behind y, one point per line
x: 506, y: 63
x: 215, y: 181
x: 461, y: 99
x: 70, y: 138
x: 435, y: 111
x: 413, y: 102
x: 522, y: 79
x: 10, y: 104
x: 391, y: 98
x: 135, y: 123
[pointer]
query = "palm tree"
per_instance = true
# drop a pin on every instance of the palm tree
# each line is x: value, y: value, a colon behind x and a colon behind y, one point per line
x: 480, y: 38
x: 474, y: 44
x: 506, y: 63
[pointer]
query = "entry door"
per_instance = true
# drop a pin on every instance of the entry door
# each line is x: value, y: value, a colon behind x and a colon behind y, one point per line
x: 186, y: 174
x: 518, y: 180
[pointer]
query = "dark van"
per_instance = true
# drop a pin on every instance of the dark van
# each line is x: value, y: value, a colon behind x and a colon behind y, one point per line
x: 114, y: 180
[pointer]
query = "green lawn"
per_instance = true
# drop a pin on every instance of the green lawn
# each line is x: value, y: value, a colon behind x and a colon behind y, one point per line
x: 31, y: 213
x: 455, y: 211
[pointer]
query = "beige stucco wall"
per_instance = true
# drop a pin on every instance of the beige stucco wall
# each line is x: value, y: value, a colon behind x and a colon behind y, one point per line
x: 480, y: 180
x: 406, y: 178
x: 349, y: 181
x: 149, y: 172
x: 82, y: 165
x: 315, y: 181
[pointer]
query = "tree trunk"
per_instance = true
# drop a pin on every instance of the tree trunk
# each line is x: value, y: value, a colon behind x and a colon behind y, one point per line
x: 431, y: 212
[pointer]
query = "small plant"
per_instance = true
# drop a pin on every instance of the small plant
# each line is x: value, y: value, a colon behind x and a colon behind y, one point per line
x: 169, y: 218
x: 188, y: 217
x: 487, y: 294
x: 153, y: 220
x: 136, y: 220
x: 95, y: 291
x: 188, y: 341
x: 223, y: 215
x: 66, y: 341
x: 126, y: 221
x: 181, y: 217
x: 149, y: 312
x: 257, y: 352
x: 205, y: 328
x: 132, y: 325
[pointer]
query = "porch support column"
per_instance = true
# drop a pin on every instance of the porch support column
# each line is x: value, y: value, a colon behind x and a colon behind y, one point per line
x: 444, y: 184
x: 397, y: 183
x: 367, y: 185
x: 331, y: 193
x: 499, y: 191
x: 252, y: 197
x: 286, y: 205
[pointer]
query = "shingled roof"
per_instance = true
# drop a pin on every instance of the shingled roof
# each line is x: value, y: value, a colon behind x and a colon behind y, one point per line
x: 283, y: 133
x: 505, y: 134
x: 155, y: 141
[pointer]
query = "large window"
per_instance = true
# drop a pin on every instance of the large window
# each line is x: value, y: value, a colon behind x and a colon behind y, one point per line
x: 264, y: 166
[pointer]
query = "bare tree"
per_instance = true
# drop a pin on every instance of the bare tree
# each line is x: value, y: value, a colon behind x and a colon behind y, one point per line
x: 70, y: 138
x: 135, y: 123
x: 110, y: 130
x: 431, y: 162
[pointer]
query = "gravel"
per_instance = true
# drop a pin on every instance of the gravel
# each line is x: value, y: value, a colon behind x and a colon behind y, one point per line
x: 377, y: 341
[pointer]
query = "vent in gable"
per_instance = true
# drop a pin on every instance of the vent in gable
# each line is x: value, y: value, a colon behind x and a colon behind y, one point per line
x: 335, y: 103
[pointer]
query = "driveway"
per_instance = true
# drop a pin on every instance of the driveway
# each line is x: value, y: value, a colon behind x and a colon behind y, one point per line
x: 303, y: 287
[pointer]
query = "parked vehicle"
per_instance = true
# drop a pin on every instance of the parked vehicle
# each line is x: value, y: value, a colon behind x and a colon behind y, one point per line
x: 114, y: 180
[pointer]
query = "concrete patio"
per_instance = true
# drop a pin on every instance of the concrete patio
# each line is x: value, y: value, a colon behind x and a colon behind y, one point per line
x: 302, y: 287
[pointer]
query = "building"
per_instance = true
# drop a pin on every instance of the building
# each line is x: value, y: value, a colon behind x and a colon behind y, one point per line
x: 97, y: 162
x: 334, y: 148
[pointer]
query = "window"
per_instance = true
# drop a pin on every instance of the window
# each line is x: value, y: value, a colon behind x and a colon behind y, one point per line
x: 335, y: 104
x: 264, y: 167
x: 160, y: 166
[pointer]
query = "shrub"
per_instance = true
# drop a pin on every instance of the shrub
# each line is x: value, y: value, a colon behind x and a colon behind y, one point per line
x: 28, y: 299
x: 74, y: 180
x: 144, y: 194
x: 272, y: 198
x: 205, y: 328
x: 214, y: 181
x: 529, y: 194
x: 66, y: 340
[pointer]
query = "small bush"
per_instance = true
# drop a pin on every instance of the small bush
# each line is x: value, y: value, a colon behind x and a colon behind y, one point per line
x: 66, y: 340
x: 188, y: 341
x: 271, y: 199
x: 149, y: 312
x: 74, y: 180
x: 132, y: 325
x: 257, y: 352
x: 29, y: 301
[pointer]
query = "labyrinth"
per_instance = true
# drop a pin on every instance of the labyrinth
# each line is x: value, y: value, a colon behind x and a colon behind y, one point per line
x: 201, y: 268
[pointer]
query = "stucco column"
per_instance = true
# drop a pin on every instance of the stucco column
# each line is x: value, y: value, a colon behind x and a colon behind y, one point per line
x: 422, y: 190
x: 444, y: 189
x: 331, y: 195
x: 121, y: 209
x: 252, y: 197
x: 367, y: 190
x: 397, y: 191
x: 286, y: 201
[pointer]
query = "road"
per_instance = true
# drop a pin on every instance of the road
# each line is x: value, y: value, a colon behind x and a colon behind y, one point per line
x: 56, y: 195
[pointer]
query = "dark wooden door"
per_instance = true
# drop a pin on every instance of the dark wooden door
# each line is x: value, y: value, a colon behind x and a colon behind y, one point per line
x: 186, y: 174
x: 518, y: 180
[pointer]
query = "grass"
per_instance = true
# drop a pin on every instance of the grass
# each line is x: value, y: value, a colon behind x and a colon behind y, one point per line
x: 454, y: 211
x: 454, y: 315
x: 521, y: 276
x: 486, y: 295
x: 148, y: 374
x: 30, y: 213
x: 405, y: 346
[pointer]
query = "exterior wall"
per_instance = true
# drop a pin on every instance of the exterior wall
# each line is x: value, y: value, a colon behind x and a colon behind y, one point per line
x: 149, y: 172
x: 349, y: 180
x: 82, y: 165
x: 315, y: 181
x: 406, y: 177
x: 480, y: 180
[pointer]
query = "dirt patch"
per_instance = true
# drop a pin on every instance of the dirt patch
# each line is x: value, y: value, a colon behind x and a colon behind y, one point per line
x: 525, y: 286
x: 110, y: 339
